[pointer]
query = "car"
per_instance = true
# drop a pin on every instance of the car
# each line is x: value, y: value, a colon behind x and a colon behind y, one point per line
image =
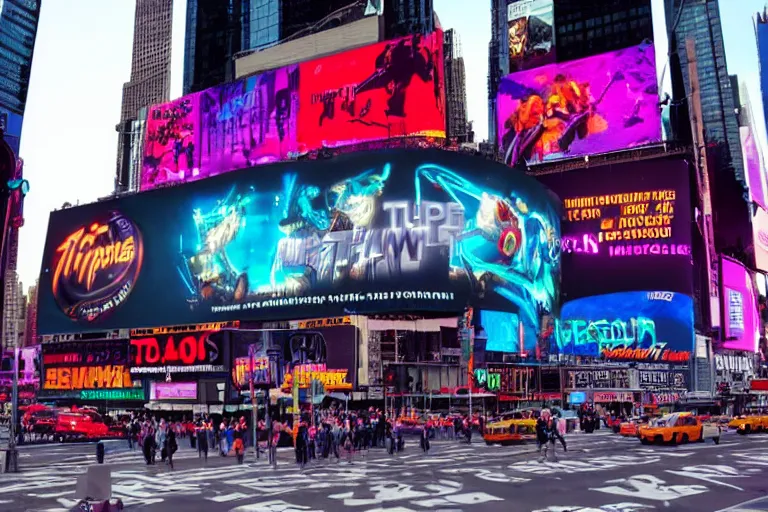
x: 678, y: 428
x: 509, y: 431
x: 749, y: 424
x: 630, y: 428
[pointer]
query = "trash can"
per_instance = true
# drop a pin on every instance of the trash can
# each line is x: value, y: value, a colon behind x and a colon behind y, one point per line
x: 100, y: 452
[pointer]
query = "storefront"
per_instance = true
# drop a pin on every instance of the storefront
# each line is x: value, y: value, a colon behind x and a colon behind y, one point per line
x: 609, y: 390
x: 734, y: 372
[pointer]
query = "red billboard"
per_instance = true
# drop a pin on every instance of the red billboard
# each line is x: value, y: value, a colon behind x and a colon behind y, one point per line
x: 389, y: 89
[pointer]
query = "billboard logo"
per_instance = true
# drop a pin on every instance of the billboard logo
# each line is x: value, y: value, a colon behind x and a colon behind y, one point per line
x: 96, y: 267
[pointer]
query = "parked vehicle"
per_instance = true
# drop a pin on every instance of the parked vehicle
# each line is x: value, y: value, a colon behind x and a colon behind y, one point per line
x: 749, y: 424
x: 679, y: 428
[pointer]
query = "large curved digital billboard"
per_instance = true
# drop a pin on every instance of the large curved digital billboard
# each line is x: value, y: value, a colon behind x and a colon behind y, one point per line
x: 367, y: 232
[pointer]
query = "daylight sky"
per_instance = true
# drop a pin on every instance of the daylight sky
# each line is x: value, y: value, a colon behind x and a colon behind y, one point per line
x: 83, y: 57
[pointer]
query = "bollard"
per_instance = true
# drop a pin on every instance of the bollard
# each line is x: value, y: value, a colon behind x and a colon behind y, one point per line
x: 100, y: 452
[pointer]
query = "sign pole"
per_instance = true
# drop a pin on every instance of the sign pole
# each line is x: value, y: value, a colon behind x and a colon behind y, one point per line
x: 254, y: 405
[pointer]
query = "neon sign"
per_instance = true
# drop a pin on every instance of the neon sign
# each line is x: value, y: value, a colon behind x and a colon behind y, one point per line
x: 96, y: 267
x: 241, y: 371
x: 93, y: 377
x: 331, y: 379
x: 112, y: 394
x: 186, y: 349
x: 653, y: 249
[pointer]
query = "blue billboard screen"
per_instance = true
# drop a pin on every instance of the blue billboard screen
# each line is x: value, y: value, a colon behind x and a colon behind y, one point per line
x: 366, y: 232
x: 655, y: 326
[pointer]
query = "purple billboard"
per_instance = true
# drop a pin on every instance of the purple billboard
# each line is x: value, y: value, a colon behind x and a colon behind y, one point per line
x: 603, y: 103
x: 752, y: 163
x: 625, y: 228
x: 740, y: 319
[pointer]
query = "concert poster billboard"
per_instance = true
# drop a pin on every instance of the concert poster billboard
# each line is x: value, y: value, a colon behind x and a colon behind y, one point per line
x: 72, y: 367
x: 626, y: 227
x: 389, y: 89
x: 172, y: 142
x: 599, y: 104
x: 249, y: 122
x: 531, y: 33
x: 741, y: 330
x: 642, y: 326
x: 398, y: 230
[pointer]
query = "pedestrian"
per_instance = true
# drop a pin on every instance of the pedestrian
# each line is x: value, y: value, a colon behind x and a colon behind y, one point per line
x: 238, y: 446
x: 202, y: 440
x: 425, y: 432
x: 170, y: 446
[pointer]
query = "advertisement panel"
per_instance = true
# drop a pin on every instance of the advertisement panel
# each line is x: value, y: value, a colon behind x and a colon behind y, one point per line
x: 603, y: 103
x: 760, y: 238
x: 73, y: 367
x: 173, y: 391
x: 29, y: 375
x: 249, y: 122
x: 188, y: 352
x: 10, y: 124
x: 625, y: 227
x: 172, y: 144
x: 754, y: 168
x: 654, y: 326
x: 389, y: 89
x: 383, y: 231
x: 531, y: 32
x: 740, y: 319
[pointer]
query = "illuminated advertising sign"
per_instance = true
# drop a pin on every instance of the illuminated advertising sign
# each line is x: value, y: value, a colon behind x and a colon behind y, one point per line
x: 531, y: 33
x: 754, y: 168
x: 625, y: 227
x: 389, y: 89
x: 630, y: 326
x: 333, y: 380
x: 86, y: 365
x: 241, y: 372
x: 603, y: 103
x: 597, y: 379
x: 190, y: 352
x: 760, y: 238
x: 367, y: 232
x: 95, y: 267
x: 740, y: 319
x: 172, y: 144
x: 112, y: 394
x: 173, y: 391
x: 11, y: 123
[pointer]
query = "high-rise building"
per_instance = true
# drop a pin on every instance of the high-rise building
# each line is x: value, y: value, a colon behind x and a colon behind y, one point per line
x: 218, y: 30
x: 403, y: 17
x: 150, y: 81
x: 30, y: 331
x: 590, y: 28
x: 700, y: 21
x: 498, y: 60
x: 455, y: 87
x: 14, y: 311
x: 18, y: 30
x: 761, y: 31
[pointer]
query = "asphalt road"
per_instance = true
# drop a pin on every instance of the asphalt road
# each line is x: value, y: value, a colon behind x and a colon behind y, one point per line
x: 600, y: 472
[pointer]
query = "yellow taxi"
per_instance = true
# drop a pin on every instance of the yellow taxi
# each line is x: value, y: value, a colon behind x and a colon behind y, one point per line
x: 749, y: 424
x: 509, y: 431
x: 678, y: 428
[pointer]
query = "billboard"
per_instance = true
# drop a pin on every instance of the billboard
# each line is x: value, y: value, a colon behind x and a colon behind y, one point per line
x: 184, y: 352
x: 531, y: 34
x: 173, y: 391
x: 73, y: 367
x: 366, y: 232
x: 172, y: 145
x: 389, y: 89
x: 249, y: 122
x: 10, y: 124
x: 754, y: 168
x: 651, y: 326
x: 625, y: 227
x: 740, y: 321
x: 599, y: 104
x: 760, y: 238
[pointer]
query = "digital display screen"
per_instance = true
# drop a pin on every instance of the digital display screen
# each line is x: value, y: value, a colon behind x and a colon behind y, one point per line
x: 626, y: 227
x: 760, y: 238
x: 654, y: 326
x: 189, y: 352
x: 531, y: 34
x: 740, y: 322
x: 599, y: 104
x: 754, y: 168
x: 389, y: 89
x: 366, y: 232
x: 502, y: 330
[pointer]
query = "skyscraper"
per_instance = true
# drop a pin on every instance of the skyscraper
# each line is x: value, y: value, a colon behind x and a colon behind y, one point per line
x: 150, y: 74
x: 30, y: 331
x: 498, y: 60
x: 455, y: 87
x: 700, y: 20
x: 403, y: 17
x: 18, y: 30
x: 218, y: 30
x: 590, y: 28
x: 761, y: 31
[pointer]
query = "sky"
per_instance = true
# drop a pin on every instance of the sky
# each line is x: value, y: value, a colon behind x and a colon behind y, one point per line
x: 83, y: 57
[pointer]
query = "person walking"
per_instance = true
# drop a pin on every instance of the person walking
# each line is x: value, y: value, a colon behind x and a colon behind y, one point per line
x: 238, y: 445
x: 170, y: 446
x: 202, y: 440
x: 425, y: 433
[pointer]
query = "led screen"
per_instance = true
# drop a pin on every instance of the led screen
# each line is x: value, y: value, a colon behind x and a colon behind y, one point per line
x: 760, y: 238
x: 599, y: 104
x: 388, y: 89
x: 654, y: 326
x: 531, y: 34
x: 388, y: 230
x: 625, y: 227
x: 754, y: 168
x: 740, y: 322
x: 502, y: 330
x: 11, y: 127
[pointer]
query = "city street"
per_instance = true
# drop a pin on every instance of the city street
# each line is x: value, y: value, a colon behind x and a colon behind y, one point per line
x: 601, y: 471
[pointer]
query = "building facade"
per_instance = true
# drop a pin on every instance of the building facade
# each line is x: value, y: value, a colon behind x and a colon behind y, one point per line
x: 30, y: 331
x: 761, y: 32
x: 150, y: 81
x: 455, y: 87
x: 403, y: 17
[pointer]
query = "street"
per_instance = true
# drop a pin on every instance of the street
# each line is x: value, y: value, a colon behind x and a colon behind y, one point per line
x: 600, y: 472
